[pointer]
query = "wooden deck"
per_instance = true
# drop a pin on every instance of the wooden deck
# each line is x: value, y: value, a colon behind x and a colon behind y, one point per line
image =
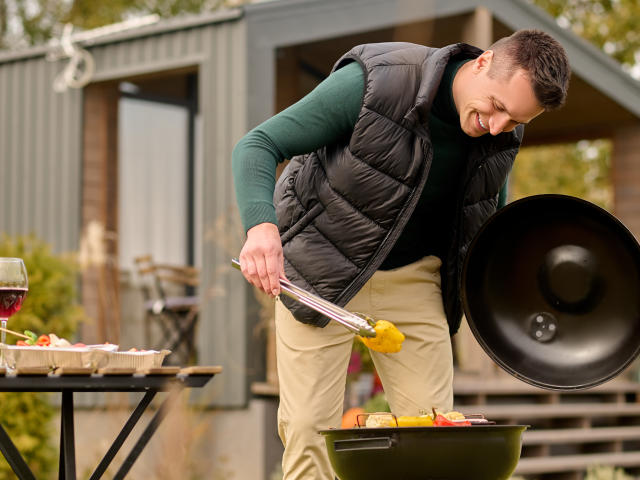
x: 569, y: 431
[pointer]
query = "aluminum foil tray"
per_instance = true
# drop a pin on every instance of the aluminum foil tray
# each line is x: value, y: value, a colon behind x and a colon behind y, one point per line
x: 138, y: 360
x: 90, y: 356
x: 53, y: 357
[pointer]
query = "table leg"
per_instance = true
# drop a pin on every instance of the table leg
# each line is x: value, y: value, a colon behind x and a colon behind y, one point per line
x: 148, y: 432
x: 67, y: 467
x: 122, y: 436
x: 13, y: 457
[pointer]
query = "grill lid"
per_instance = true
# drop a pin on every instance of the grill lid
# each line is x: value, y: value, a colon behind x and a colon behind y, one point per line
x: 551, y: 291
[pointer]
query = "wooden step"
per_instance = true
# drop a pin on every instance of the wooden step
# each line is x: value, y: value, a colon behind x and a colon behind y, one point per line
x: 473, y: 385
x: 568, y: 463
x: 580, y: 435
x: 561, y: 410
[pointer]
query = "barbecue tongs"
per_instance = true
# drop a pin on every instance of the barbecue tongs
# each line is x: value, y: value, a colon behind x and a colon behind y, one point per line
x: 357, y: 323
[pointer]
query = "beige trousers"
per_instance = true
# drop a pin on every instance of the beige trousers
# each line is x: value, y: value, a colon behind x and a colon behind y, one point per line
x: 312, y: 363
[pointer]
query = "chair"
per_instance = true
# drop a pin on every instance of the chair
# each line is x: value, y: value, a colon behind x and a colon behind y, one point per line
x: 172, y: 304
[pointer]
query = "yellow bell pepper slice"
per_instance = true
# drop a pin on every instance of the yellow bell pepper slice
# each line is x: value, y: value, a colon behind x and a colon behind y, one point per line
x: 388, y: 338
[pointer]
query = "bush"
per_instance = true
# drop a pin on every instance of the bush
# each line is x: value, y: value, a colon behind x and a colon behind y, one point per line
x: 597, y: 472
x: 50, y: 306
x: 51, y: 303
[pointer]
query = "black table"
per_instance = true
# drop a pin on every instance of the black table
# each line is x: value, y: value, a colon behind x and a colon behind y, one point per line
x: 67, y: 381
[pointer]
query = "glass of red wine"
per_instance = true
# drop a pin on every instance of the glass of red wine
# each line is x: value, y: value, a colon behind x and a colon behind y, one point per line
x: 13, y: 288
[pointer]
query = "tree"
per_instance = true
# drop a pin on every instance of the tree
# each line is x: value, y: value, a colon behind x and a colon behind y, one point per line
x: 33, y: 22
x: 613, y: 25
x: 582, y: 169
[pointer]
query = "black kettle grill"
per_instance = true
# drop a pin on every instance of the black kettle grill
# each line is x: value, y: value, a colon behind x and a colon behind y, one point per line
x: 551, y: 291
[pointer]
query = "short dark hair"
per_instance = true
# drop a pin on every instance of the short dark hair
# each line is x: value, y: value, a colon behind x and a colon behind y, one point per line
x: 542, y: 57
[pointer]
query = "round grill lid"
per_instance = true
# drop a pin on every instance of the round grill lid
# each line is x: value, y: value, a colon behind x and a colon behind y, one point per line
x: 551, y: 291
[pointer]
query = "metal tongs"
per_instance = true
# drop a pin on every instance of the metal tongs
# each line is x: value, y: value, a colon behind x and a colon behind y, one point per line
x: 357, y: 323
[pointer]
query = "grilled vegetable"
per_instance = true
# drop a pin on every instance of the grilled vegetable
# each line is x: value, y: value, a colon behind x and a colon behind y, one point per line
x: 421, y: 421
x: 33, y: 338
x: 450, y: 419
x: 388, y: 338
x: 380, y: 419
x: 454, y: 415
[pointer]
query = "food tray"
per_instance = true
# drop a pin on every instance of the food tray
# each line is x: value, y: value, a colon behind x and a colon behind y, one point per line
x: 90, y: 356
x: 107, y: 347
x: 137, y: 360
x: 53, y: 357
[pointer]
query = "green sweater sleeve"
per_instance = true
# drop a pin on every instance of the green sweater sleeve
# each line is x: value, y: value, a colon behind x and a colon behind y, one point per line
x: 321, y: 118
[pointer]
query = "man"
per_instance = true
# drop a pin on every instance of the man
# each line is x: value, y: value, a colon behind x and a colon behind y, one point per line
x: 397, y: 159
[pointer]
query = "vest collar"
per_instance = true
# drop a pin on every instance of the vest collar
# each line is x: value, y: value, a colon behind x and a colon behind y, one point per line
x: 432, y: 72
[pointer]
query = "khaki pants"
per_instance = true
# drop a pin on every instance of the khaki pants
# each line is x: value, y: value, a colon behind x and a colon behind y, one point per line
x: 312, y: 363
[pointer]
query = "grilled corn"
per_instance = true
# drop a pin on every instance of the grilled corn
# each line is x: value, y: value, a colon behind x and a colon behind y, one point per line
x: 421, y: 421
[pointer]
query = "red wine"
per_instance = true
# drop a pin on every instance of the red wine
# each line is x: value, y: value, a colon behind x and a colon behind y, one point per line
x: 11, y: 300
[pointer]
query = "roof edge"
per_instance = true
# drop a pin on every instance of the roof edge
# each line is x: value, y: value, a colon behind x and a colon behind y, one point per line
x: 162, y: 26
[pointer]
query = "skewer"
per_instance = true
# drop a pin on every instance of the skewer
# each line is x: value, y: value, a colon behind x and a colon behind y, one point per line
x: 14, y: 333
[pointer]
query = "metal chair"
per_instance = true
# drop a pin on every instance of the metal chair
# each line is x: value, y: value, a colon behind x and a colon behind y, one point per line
x: 172, y: 304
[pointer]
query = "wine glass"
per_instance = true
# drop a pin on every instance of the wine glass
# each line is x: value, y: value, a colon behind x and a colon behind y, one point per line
x: 13, y: 288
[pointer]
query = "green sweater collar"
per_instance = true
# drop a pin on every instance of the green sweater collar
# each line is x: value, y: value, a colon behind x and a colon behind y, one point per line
x: 443, y: 105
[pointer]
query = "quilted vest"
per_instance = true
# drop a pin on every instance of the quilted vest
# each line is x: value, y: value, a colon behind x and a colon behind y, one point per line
x: 340, y: 209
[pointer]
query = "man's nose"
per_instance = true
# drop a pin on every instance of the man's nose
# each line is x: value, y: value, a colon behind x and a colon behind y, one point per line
x: 498, y: 122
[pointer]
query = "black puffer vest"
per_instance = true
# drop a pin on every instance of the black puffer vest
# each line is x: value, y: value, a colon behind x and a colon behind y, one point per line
x: 341, y: 209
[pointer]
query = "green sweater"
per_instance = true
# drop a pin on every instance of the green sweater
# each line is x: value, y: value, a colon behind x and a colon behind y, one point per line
x: 329, y: 114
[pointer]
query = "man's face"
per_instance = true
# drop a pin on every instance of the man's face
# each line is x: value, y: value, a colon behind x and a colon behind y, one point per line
x: 493, y: 103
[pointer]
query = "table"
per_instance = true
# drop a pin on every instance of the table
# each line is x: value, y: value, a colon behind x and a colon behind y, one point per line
x: 69, y: 380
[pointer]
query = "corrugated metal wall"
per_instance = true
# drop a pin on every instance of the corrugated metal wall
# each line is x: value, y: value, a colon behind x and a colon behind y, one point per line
x: 40, y: 154
x: 218, y: 50
x: 40, y: 162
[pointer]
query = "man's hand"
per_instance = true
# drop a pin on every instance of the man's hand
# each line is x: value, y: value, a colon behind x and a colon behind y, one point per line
x: 261, y: 258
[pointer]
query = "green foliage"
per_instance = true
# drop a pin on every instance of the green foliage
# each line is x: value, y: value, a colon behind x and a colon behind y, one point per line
x: 580, y: 170
x: 377, y: 403
x: 39, y: 24
x: 50, y: 306
x: 613, y: 25
x: 27, y: 418
x: 597, y: 472
x: 40, y: 20
x: 91, y: 14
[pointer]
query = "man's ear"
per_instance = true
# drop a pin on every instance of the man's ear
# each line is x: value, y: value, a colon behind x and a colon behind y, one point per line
x: 483, y: 62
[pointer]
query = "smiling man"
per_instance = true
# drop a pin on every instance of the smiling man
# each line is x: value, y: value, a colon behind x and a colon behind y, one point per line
x: 503, y: 88
x: 397, y: 159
